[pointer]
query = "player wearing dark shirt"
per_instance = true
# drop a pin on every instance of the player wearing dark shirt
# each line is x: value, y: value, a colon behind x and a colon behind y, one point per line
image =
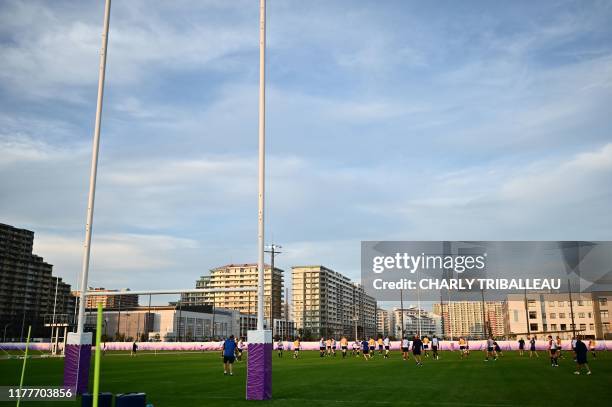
x: 581, y: 351
x: 521, y: 343
x: 417, y: 347
x: 229, y: 355
x: 365, y: 347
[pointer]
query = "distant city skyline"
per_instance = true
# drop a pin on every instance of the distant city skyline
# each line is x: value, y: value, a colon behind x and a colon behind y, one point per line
x: 386, y: 121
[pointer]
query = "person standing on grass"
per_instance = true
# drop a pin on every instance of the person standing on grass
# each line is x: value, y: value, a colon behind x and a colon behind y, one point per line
x: 417, y: 348
x: 498, y: 349
x: 592, y: 347
x: 322, y: 347
x: 334, y: 347
x: 134, y: 349
x: 280, y: 347
x: 229, y: 355
x: 380, y: 345
x: 405, y: 348
x: 490, y: 349
x: 365, y: 345
x: 425, y: 346
x: 559, y: 347
x: 372, y: 346
x: 462, y: 349
x: 240, y: 347
x: 434, y: 347
x: 387, y: 343
x: 356, y: 346
x: 532, y: 347
x: 552, y: 352
x: 344, y: 346
x: 296, y: 348
x: 521, y: 343
x: 581, y: 356
x: 328, y: 344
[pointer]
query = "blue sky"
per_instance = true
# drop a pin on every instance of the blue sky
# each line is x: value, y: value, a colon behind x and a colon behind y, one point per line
x: 386, y: 121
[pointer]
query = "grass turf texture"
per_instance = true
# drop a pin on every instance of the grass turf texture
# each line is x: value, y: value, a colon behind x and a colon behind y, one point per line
x: 196, y: 379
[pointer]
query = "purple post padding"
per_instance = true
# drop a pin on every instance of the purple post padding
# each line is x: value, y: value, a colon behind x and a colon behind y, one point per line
x: 77, y: 359
x: 259, y: 371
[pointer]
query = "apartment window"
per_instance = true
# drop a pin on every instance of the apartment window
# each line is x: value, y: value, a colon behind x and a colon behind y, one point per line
x: 563, y: 327
x: 551, y: 303
x: 590, y: 315
x: 531, y: 303
x: 591, y: 327
x: 516, y: 315
x: 606, y: 327
x: 544, y: 327
x: 552, y: 315
x: 561, y: 315
x: 533, y: 327
x: 533, y: 315
x: 603, y: 301
x: 582, y: 327
x: 553, y: 327
x: 603, y: 313
x: 580, y: 303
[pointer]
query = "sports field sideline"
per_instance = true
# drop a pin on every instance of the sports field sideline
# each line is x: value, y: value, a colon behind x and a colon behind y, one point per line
x: 196, y: 379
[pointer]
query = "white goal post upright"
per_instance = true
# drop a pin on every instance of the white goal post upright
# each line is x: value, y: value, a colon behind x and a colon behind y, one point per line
x: 259, y: 364
x: 78, y: 345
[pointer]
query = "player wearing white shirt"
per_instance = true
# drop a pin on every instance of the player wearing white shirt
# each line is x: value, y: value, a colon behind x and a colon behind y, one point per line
x: 387, y: 344
x: 434, y: 347
x: 405, y: 348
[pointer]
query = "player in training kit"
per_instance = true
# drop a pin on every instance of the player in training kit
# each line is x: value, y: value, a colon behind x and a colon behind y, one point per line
x: 559, y: 347
x: 552, y: 352
x: 491, y: 349
x: 593, y: 347
x: 344, y: 346
x: 239, y: 348
x: 280, y: 347
x: 462, y: 347
x: 379, y: 342
x: 229, y: 355
x: 498, y: 349
x: 322, y: 347
x: 365, y: 347
x: 581, y: 356
x: 334, y: 347
x: 521, y: 343
x: 296, y: 348
x: 434, y: 347
x: 425, y: 346
x: 356, y: 346
x: 371, y: 346
x: 417, y: 348
x: 532, y: 347
x: 405, y: 348
x: 328, y: 346
x: 387, y: 345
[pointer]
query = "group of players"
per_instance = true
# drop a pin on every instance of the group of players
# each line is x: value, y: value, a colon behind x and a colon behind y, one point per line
x: 232, y: 349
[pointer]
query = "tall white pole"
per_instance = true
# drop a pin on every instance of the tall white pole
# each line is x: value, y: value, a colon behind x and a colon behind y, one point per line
x: 94, y: 171
x: 262, y: 162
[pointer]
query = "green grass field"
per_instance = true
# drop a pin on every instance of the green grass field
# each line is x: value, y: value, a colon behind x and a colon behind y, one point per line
x: 196, y: 379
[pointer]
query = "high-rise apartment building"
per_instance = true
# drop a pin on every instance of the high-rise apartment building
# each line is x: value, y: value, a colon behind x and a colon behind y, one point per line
x: 109, y: 301
x: 384, y: 322
x: 27, y: 286
x: 241, y: 275
x: 472, y: 319
x: 416, y: 321
x: 551, y: 313
x: 326, y: 303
